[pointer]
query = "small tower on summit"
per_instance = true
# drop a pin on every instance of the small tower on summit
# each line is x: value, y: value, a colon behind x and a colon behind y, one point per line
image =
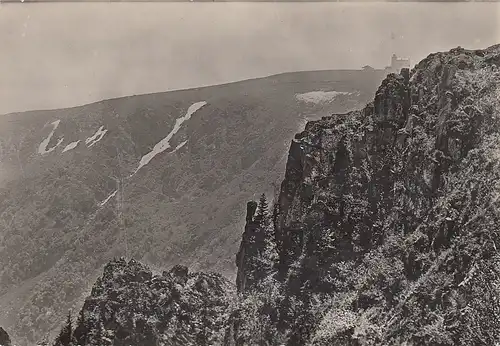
x: 394, y: 60
x: 398, y: 63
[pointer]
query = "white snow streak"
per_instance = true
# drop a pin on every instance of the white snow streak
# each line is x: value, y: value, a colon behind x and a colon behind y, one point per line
x: 71, y: 146
x: 107, y: 199
x: 96, y: 137
x: 179, y: 146
x: 319, y: 96
x: 42, y: 149
x: 164, y: 144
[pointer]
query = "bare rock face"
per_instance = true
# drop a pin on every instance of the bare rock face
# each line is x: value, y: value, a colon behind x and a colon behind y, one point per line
x: 388, y: 218
x: 4, y: 338
x: 244, y: 277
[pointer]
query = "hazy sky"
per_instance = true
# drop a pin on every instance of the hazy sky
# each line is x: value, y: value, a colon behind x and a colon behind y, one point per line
x: 58, y: 55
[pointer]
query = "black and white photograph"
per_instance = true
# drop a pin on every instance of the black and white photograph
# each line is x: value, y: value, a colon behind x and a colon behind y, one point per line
x: 249, y: 173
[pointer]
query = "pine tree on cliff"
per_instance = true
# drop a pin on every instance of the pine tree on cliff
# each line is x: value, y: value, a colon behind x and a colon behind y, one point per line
x: 265, y: 231
x: 65, y: 335
x: 262, y: 216
x: 275, y: 221
x: 99, y: 334
x: 265, y: 240
x: 81, y: 330
x: 276, y: 214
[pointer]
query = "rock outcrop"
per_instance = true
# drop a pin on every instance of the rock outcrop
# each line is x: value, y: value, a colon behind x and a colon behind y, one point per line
x: 244, y: 274
x: 129, y: 305
x: 4, y: 338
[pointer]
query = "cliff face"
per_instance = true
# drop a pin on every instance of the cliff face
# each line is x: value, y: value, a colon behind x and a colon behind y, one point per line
x: 387, y: 231
x: 243, y: 255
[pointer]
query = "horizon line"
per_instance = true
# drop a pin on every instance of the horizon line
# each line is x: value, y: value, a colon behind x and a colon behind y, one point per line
x: 361, y: 69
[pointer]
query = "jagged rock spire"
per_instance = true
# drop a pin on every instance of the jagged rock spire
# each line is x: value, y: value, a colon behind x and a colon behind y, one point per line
x: 4, y: 338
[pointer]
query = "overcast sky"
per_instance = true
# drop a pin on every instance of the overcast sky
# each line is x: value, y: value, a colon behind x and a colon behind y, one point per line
x: 59, y: 55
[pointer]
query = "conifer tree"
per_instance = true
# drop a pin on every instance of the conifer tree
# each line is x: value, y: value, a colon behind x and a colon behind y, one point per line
x: 99, y: 334
x: 265, y: 259
x: 262, y: 216
x: 276, y: 238
x: 81, y: 330
x: 65, y: 335
x: 276, y: 213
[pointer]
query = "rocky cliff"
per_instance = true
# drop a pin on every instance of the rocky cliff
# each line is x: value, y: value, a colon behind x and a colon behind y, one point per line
x: 388, y: 217
x: 129, y: 305
x: 385, y: 232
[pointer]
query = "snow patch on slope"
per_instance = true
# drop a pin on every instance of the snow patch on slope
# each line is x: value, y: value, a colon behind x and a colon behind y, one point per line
x: 317, y: 97
x: 164, y: 144
x: 42, y: 149
x: 179, y: 146
x: 108, y: 198
x: 71, y: 146
x: 96, y: 137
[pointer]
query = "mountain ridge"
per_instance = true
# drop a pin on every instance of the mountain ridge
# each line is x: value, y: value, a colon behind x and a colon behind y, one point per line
x: 224, y: 84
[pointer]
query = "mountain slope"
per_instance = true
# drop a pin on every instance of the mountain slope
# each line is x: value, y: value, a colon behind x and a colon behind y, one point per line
x: 70, y: 201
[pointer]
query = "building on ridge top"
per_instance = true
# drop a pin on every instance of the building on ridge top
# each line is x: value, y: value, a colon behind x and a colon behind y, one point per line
x: 397, y: 64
